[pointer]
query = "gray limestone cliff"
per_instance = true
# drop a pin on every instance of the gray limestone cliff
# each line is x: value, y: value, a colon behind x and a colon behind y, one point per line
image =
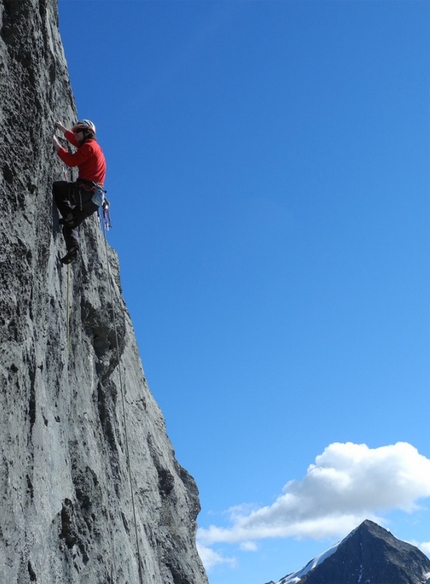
x: 70, y: 404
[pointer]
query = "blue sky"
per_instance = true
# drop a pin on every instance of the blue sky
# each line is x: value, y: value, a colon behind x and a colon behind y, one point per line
x: 268, y: 171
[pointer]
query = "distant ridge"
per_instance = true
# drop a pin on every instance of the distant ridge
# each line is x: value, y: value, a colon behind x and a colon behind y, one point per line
x: 368, y: 555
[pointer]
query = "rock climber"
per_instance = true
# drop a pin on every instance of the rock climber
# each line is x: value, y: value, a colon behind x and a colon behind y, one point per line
x: 78, y: 200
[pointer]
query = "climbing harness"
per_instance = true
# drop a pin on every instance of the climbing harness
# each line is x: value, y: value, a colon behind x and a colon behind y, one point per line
x: 127, y: 450
x: 98, y: 199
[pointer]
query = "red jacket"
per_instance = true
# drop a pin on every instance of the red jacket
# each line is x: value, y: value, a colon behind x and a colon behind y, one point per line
x: 89, y: 159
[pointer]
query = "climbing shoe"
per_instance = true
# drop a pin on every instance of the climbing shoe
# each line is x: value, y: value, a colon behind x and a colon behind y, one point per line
x: 70, y: 256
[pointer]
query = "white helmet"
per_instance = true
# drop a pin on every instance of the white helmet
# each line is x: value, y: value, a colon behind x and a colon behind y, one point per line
x: 84, y: 125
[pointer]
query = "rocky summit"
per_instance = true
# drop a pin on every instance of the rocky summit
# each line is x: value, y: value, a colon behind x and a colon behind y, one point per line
x: 90, y: 490
x: 368, y: 555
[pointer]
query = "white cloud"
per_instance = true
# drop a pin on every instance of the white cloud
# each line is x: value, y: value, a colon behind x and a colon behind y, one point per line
x: 425, y: 547
x: 211, y: 558
x: 347, y: 484
x: 248, y: 546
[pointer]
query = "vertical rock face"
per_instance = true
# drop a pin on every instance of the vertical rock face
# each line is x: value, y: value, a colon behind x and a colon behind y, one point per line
x: 74, y: 507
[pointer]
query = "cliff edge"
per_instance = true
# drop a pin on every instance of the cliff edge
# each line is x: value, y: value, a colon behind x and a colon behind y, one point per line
x: 89, y: 484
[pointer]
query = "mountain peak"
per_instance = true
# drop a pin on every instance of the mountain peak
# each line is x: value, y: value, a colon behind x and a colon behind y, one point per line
x: 370, y: 554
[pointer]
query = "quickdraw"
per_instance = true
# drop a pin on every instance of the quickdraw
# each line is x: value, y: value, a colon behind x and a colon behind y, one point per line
x: 106, y: 215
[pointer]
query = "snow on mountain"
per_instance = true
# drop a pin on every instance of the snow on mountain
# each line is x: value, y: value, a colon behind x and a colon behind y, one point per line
x: 296, y: 576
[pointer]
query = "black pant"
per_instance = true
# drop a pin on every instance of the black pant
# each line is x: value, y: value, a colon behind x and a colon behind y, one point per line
x: 74, y: 204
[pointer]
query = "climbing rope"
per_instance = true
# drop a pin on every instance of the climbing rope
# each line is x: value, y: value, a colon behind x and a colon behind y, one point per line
x: 127, y: 450
x: 68, y: 309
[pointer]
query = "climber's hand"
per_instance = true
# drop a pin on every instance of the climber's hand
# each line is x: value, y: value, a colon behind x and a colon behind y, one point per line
x: 56, y: 143
x: 60, y: 126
